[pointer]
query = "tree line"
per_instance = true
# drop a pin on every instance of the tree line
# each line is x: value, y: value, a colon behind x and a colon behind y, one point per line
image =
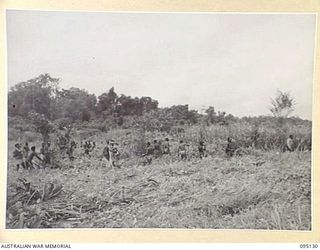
x: 43, y: 96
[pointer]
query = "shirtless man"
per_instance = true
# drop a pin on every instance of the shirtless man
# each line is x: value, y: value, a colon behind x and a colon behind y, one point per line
x: 28, y: 163
x: 289, y: 143
x: 70, y: 150
x: 231, y: 147
x: 149, y: 153
x: 45, y: 152
x: 182, y: 150
x: 202, y: 149
x: 166, y: 147
x: 156, y: 148
x: 106, y: 155
x: 17, y: 155
x: 114, y: 154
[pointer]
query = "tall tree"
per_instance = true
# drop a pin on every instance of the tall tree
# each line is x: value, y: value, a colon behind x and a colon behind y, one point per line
x: 148, y: 104
x: 211, y: 115
x: 282, y: 105
x: 36, y: 95
x: 41, y: 124
x: 76, y: 104
x: 107, y: 103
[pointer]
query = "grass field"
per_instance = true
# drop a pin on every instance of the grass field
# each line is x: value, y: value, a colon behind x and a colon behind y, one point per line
x: 259, y: 190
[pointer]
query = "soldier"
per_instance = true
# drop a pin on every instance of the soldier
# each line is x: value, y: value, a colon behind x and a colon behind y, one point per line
x: 25, y: 150
x: 43, y: 148
x: 67, y: 133
x: 290, y: 143
x: 62, y: 142
x: 25, y: 153
x: 231, y: 147
x: 255, y: 137
x: 55, y: 157
x: 114, y: 153
x: 87, y: 149
x: 149, y: 153
x: 202, y: 149
x: 166, y: 146
x: 29, y: 161
x: 93, y: 146
x: 157, y: 148
x: 106, y: 155
x: 45, y: 152
x: 70, y: 150
x: 17, y: 153
x: 182, y: 150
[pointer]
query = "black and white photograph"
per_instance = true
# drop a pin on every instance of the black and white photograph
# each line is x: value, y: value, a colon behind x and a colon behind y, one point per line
x: 159, y: 120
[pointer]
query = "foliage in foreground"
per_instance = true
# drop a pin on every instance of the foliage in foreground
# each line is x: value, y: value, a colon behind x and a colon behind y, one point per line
x: 215, y: 192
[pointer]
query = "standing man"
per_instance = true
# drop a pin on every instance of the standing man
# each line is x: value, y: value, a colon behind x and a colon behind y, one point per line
x: 106, y: 155
x: 231, y: 147
x: 25, y: 153
x: 149, y: 153
x: 182, y: 150
x: 87, y: 149
x: 28, y: 163
x: 157, y: 148
x: 45, y: 152
x: 114, y: 153
x: 25, y: 150
x: 17, y: 155
x: 166, y: 147
x: 70, y: 150
x: 289, y: 144
x: 255, y: 137
x: 202, y: 149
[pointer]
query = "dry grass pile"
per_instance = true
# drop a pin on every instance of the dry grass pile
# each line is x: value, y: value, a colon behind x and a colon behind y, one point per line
x: 22, y: 210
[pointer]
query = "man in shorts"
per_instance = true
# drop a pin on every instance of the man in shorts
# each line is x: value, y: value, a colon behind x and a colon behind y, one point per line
x: 29, y: 163
x: 231, y: 147
x: 106, y: 155
x: 290, y: 143
x: 202, y: 149
x: 149, y: 153
x: 166, y: 147
x: 182, y: 150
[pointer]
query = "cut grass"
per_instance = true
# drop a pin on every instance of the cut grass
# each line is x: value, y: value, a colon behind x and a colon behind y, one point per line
x: 215, y: 192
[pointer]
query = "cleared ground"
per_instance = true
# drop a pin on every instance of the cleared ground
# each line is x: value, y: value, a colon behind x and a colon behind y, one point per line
x: 262, y: 190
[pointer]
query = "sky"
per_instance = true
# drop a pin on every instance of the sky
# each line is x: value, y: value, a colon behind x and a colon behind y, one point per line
x: 234, y: 62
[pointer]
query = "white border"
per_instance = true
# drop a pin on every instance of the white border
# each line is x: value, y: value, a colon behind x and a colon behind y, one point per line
x: 163, y: 12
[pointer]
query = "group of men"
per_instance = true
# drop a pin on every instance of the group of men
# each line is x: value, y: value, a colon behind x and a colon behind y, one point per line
x: 111, y: 155
x: 158, y: 149
x: 25, y: 155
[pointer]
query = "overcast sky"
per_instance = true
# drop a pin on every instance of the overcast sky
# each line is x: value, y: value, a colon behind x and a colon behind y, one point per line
x: 234, y: 62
